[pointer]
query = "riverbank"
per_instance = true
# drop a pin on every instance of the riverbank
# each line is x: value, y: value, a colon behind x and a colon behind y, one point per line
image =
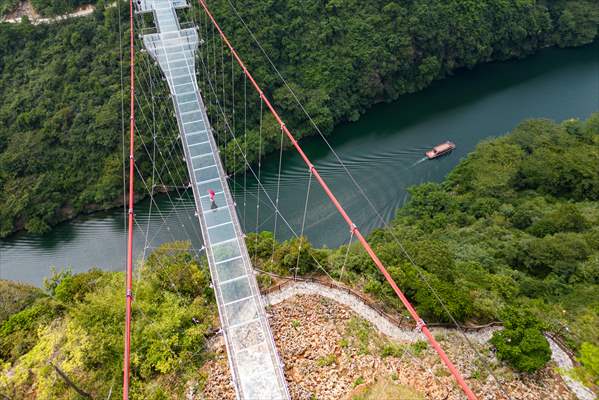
x: 510, y: 235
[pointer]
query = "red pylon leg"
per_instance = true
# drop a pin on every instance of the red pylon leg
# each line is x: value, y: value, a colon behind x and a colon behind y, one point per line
x: 129, y: 297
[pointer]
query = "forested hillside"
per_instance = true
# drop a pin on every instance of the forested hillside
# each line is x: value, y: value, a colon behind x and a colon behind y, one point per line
x: 514, y: 228
x: 60, y: 119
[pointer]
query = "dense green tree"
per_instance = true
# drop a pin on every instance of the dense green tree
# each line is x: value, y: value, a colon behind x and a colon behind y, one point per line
x: 521, y: 343
x: 14, y: 297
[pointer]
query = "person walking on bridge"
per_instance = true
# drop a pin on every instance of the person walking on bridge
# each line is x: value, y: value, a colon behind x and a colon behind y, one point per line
x: 212, y: 195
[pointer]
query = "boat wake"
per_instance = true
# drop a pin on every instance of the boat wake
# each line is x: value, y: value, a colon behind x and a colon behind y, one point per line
x: 418, y: 162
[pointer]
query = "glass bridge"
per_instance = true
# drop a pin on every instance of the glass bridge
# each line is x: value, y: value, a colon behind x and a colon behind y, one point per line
x: 257, y: 371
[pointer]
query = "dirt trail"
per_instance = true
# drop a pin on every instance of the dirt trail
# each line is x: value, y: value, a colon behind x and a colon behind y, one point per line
x: 24, y: 8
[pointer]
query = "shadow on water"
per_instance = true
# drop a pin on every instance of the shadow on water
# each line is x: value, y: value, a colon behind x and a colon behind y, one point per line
x: 383, y: 150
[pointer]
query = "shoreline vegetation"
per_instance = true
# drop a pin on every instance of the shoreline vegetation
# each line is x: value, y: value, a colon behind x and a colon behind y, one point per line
x: 512, y: 234
x: 62, y: 82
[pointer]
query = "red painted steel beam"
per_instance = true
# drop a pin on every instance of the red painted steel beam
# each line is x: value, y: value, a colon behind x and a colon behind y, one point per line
x: 421, y: 325
x: 128, y: 294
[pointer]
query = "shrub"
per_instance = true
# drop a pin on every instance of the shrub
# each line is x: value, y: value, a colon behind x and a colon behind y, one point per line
x: 73, y: 288
x: 418, y: 347
x: 521, y: 343
x: 589, y: 358
x: 391, y: 350
x: 326, y: 360
x: 456, y: 301
x: 358, y: 381
x: 19, y: 333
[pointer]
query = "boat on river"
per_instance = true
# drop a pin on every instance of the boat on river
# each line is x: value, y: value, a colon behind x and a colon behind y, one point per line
x: 440, y: 149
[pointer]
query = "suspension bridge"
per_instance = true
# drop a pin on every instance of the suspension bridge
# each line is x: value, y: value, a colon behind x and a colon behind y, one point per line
x: 253, y: 360
x: 256, y: 369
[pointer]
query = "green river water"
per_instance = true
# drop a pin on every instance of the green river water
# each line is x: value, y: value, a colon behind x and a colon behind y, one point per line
x: 383, y: 151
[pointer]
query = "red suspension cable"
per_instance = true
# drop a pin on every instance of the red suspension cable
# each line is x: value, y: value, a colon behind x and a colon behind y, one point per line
x: 420, y: 323
x: 129, y: 296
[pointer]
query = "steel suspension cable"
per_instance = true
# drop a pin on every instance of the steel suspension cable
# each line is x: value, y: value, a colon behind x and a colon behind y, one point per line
x: 153, y: 168
x: 122, y: 76
x: 152, y: 81
x: 123, y: 151
x: 222, y: 61
x: 301, y: 238
x: 233, y: 172
x: 249, y: 167
x: 278, y: 195
x: 245, y: 145
x: 351, y: 238
x: 259, y: 172
x: 420, y: 323
x: 148, y: 188
x: 149, y: 79
x: 215, y: 126
x: 147, y: 318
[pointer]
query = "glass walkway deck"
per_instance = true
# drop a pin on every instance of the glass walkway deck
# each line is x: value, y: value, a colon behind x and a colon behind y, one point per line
x: 257, y: 372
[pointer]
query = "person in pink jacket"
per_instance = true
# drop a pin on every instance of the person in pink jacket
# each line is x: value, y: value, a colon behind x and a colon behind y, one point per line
x: 212, y: 196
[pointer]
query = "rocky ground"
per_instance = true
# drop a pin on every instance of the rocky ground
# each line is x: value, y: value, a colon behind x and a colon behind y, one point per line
x: 331, y: 353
